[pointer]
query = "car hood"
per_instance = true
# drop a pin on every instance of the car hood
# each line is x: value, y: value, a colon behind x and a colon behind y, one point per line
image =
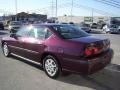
x: 88, y: 39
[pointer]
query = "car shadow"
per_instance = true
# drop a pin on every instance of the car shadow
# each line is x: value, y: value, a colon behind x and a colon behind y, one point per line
x: 106, y: 79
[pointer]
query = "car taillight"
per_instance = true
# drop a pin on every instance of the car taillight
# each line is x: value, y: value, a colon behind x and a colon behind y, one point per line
x: 88, y: 52
x: 91, y: 50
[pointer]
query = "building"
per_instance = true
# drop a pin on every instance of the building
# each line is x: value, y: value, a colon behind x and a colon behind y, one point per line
x: 28, y: 17
x: 86, y: 19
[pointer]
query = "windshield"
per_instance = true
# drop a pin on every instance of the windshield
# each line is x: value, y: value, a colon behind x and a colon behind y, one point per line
x: 70, y: 32
x: 113, y: 26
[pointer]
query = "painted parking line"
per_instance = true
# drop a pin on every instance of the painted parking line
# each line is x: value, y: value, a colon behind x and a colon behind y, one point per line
x: 113, y: 67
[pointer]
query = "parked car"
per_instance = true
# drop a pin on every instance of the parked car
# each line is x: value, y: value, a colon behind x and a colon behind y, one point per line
x: 14, y: 26
x: 1, y: 26
x: 114, y: 28
x: 71, y: 23
x: 85, y: 27
x: 94, y: 25
x: 59, y: 48
x: 106, y: 29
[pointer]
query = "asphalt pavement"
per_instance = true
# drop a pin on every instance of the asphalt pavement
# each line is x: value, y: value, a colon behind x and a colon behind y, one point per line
x: 17, y: 74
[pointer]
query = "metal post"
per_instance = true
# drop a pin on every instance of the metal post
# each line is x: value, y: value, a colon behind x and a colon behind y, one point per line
x: 16, y: 6
x: 52, y: 8
x: 71, y: 10
x: 56, y: 8
x: 16, y: 9
x: 92, y: 15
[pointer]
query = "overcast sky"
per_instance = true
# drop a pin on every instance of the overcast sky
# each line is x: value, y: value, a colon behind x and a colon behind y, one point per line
x: 80, y: 7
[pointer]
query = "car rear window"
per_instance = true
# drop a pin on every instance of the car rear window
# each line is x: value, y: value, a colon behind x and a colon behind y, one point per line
x: 70, y: 32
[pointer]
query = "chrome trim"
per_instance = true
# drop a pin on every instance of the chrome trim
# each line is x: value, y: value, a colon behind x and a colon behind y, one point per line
x: 29, y: 60
x: 24, y: 49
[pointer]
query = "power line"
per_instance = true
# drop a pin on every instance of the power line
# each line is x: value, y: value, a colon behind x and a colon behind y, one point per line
x: 115, y: 1
x: 109, y: 3
x: 95, y: 10
x: 64, y: 5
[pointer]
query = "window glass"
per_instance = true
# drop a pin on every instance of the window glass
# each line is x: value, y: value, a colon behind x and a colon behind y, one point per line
x: 32, y: 33
x: 43, y: 33
x: 69, y: 32
x: 38, y: 32
x: 35, y: 32
x: 48, y: 34
x: 22, y: 32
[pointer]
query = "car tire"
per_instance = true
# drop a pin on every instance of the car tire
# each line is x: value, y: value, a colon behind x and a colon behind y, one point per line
x: 5, y: 50
x: 51, y: 67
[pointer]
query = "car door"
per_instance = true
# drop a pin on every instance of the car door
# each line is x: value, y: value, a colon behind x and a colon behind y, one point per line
x: 35, y: 44
x: 17, y: 41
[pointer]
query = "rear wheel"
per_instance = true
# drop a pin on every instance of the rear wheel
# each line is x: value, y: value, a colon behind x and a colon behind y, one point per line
x: 5, y: 49
x: 51, y: 66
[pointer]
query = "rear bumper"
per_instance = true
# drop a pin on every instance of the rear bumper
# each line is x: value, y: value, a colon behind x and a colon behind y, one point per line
x: 99, y: 63
x: 88, y: 66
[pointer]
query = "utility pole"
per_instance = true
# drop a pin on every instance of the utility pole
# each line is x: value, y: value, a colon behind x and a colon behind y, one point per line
x: 92, y: 15
x: 16, y: 9
x: 71, y: 10
x: 56, y: 8
x: 52, y: 8
x: 16, y: 6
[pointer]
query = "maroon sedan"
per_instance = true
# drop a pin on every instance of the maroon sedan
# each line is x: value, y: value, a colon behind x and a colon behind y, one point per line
x: 59, y: 48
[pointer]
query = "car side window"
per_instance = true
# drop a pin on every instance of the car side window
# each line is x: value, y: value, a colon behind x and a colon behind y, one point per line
x: 22, y: 32
x: 48, y: 34
x: 32, y: 33
x: 39, y: 33
x: 43, y: 33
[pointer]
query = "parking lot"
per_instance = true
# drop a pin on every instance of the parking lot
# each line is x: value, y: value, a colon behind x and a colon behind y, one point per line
x: 17, y: 74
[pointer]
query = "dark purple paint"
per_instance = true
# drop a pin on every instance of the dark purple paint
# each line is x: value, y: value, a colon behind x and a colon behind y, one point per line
x: 69, y: 52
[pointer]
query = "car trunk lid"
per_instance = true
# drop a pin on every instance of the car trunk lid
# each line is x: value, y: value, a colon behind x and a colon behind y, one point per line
x: 93, y: 45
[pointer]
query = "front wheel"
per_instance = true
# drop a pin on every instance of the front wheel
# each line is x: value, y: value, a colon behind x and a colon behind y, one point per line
x: 51, y: 66
x: 5, y: 49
